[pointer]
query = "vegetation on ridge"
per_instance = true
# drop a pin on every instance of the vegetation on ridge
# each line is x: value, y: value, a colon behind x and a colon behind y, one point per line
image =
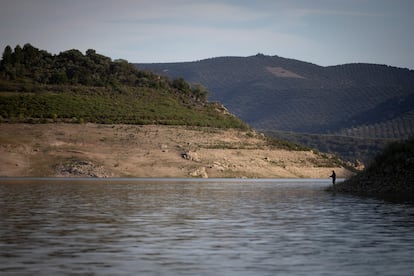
x: 36, y: 86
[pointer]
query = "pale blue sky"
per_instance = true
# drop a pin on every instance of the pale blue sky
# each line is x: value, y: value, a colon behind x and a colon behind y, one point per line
x: 325, y: 32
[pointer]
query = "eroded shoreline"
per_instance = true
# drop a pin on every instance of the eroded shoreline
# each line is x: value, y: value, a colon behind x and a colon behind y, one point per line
x: 93, y: 150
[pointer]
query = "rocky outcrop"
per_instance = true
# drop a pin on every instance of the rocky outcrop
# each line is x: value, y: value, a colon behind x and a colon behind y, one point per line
x: 191, y: 155
x: 199, y: 172
x: 80, y: 168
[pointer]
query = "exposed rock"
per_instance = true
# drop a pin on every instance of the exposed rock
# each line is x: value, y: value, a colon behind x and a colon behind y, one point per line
x: 80, y: 168
x: 200, y: 172
x: 90, y: 150
x: 359, y: 165
x: 219, y: 166
x: 191, y: 155
x: 164, y: 148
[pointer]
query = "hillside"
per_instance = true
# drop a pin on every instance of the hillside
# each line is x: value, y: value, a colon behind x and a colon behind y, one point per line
x: 36, y: 86
x: 276, y: 94
x: 389, y: 176
x: 84, y: 115
x: 102, y: 150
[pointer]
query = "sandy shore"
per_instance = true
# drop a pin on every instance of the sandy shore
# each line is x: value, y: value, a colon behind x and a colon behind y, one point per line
x: 150, y: 151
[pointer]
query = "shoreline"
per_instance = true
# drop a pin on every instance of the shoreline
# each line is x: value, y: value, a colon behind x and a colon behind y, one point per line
x: 166, y: 179
x: 151, y: 151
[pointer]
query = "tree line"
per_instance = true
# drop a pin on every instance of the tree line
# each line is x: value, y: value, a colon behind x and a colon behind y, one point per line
x: 72, y: 67
x: 38, y: 87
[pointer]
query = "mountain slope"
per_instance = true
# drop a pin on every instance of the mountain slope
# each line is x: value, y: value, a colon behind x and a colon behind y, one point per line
x: 274, y: 93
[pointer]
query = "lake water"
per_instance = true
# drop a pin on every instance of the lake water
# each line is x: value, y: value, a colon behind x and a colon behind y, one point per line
x: 199, y: 227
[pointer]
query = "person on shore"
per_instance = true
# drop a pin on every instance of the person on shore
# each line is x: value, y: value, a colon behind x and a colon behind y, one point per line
x: 333, y: 175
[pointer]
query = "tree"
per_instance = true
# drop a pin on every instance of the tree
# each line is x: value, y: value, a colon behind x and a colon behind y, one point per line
x: 181, y: 85
x: 59, y: 77
x: 199, y: 92
x: 7, y: 56
x: 31, y: 55
x: 18, y: 54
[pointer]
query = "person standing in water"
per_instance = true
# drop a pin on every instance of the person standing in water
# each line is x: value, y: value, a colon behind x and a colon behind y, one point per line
x: 333, y: 177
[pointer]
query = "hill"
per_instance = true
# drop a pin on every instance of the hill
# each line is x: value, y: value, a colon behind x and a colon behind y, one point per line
x: 76, y: 114
x: 279, y: 95
x: 103, y: 150
x: 36, y: 86
x: 389, y: 176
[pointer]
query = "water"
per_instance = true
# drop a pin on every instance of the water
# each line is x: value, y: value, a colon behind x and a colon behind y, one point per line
x: 191, y: 227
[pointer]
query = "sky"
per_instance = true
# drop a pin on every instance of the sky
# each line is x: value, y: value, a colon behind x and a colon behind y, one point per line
x: 324, y: 32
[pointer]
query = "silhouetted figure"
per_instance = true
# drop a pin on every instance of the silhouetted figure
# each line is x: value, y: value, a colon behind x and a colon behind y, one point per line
x: 333, y: 177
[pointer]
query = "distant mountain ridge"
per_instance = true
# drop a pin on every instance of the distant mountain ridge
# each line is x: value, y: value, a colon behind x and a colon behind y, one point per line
x: 272, y: 93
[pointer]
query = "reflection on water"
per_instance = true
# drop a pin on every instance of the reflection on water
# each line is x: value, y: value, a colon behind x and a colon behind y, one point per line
x: 237, y: 227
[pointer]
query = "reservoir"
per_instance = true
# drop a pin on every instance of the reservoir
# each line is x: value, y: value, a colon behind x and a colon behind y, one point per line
x: 199, y: 227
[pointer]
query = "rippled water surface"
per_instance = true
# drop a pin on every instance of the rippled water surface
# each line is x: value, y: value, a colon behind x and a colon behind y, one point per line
x: 214, y: 227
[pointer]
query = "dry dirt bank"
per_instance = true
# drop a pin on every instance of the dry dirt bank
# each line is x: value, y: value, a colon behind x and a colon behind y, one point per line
x: 149, y: 151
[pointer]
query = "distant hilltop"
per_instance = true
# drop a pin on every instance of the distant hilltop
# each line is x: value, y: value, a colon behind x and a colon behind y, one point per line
x: 275, y: 93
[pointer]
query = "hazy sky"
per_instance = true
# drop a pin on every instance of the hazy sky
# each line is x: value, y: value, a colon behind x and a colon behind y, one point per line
x: 325, y: 32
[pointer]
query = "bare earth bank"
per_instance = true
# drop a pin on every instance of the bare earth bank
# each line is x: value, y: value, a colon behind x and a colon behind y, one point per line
x: 150, y: 151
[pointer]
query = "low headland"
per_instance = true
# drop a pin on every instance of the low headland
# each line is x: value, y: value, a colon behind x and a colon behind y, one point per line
x: 389, y: 176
